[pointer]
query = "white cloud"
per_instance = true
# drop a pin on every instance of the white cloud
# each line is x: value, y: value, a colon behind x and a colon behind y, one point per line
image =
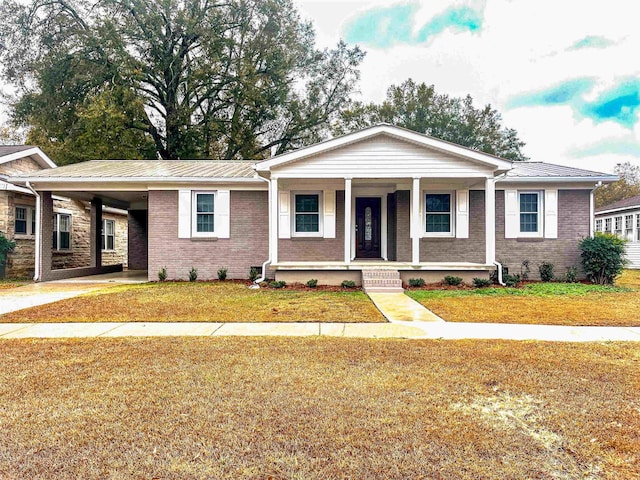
x: 523, y: 46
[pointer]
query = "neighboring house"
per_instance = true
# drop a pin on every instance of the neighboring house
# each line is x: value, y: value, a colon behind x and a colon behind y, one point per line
x: 69, y: 238
x: 622, y: 218
x: 380, y: 198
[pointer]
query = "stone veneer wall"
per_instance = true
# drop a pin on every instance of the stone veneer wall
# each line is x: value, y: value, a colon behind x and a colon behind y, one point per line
x: 247, y: 246
x: 21, y: 263
x: 563, y: 252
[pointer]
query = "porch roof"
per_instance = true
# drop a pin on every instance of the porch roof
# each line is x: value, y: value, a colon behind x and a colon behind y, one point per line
x: 530, y: 170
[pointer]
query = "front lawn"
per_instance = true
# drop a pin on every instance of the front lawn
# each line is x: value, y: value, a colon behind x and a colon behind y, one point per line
x: 203, y: 302
x: 6, y: 284
x: 315, y: 408
x: 538, y: 303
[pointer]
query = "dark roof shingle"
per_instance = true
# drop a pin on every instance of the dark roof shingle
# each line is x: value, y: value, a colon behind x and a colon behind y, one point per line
x: 624, y: 203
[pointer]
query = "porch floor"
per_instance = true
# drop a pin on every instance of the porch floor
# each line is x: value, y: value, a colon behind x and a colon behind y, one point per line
x: 381, y: 264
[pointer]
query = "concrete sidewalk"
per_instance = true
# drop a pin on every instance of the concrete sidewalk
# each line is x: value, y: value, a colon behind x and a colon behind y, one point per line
x: 417, y: 330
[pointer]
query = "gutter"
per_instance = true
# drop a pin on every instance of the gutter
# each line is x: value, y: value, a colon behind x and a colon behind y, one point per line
x: 267, y: 262
x: 38, y: 252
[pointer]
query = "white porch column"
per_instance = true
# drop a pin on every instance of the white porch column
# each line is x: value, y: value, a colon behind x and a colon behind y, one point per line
x: 490, y: 220
x: 347, y: 221
x: 416, y: 221
x: 273, y: 220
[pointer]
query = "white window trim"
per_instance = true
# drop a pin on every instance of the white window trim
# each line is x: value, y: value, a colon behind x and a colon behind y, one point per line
x: 56, y: 229
x: 104, y: 235
x: 194, y: 214
x: 31, y: 215
x: 452, y: 214
x: 599, y: 225
x: 540, y: 231
x: 320, y: 232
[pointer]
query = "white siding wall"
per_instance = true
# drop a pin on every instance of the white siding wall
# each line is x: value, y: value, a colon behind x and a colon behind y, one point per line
x: 632, y: 248
x: 383, y: 157
x: 633, y: 255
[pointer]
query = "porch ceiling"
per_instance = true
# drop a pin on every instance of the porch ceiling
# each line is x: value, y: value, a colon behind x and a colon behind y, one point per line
x: 116, y: 199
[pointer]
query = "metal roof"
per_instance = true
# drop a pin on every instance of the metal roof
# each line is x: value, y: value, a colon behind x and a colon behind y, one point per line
x: 149, y: 170
x: 630, y: 202
x: 530, y: 169
x: 9, y: 149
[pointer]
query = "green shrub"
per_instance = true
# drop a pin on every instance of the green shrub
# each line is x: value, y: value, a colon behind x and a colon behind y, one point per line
x: 453, y: 281
x: 313, y: 283
x: 416, y: 282
x: 511, y: 280
x: 571, y: 276
x: 546, y: 271
x: 481, y: 282
x: 254, y: 273
x: 348, y: 284
x: 277, y: 284
x: 6, y: 247
x: 193, y: 274
x: 162, y: 274
x: 602, y: 257
x: 222, y: 274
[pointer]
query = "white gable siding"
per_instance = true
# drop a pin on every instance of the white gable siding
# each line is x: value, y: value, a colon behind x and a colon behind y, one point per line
x: 382, y: 157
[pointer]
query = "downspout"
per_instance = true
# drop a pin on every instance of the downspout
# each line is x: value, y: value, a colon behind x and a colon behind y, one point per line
x: 36, y: 273
x: 263, y: 276
x: 499, y: 270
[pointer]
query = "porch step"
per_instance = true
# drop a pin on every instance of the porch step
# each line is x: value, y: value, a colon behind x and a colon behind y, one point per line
x: 381, y: 281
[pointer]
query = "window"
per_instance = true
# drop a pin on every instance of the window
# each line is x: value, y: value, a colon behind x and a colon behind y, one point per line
x: 108, y: 235
x: 618, y: 224
x: 203, y: 215
x: 25, y: 221
x: 530, y: 213
x: 599, y: 225
x: 607, y: 225
x: 628, y: 227
x: 307, y: 214
x: 61, y: 231
x: 438, y: 211
x: 21, y: 220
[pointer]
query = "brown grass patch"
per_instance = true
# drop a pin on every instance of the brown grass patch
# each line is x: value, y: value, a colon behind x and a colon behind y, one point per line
x: 233, y: 408
x: 6, y: 284
x: 203, y: 302
x: 612, y: 309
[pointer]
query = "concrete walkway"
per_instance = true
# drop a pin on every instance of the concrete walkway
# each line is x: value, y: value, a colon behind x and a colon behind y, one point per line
x: 32, y: 295
x: 417, y: 330
x: 398, y: 307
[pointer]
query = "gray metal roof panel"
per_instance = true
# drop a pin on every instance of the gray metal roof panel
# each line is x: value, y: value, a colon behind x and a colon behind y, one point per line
x: 160, y: 169
x: 550, y: 170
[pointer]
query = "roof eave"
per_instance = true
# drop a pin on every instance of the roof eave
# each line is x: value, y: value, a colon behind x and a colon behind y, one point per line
x: 43, y: 160
x: 603, y: 179
x: 24, y: 180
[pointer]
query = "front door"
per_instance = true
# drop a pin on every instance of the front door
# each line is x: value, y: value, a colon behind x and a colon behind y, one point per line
x: 368, y: 227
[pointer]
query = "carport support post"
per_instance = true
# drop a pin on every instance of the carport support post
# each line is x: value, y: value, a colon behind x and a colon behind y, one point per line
x: 96, y: 233
x: 490, y: 220
x: 46, y: 236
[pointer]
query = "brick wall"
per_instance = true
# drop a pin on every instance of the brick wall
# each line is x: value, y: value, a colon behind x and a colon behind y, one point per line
x: 563, y: 252
x: 246, y: 247
x: 316, y: 249
x: 470, y: 249
x: 137, y: 238
x: 403, y: 237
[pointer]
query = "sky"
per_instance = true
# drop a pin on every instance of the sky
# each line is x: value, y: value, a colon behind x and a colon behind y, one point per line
x: 564, y: 73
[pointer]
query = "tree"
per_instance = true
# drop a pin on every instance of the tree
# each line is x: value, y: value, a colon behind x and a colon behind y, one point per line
x: 420, y: 108
x: 171, y: 78
x: 627, y: 186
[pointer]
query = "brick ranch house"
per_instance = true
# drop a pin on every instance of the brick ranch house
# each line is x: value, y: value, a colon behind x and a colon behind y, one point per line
x: 380, y: 198
x: 622, y: 218
x: 68, y: 239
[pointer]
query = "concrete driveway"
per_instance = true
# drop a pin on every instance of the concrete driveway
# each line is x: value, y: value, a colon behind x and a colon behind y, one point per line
x: 35, y: 294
